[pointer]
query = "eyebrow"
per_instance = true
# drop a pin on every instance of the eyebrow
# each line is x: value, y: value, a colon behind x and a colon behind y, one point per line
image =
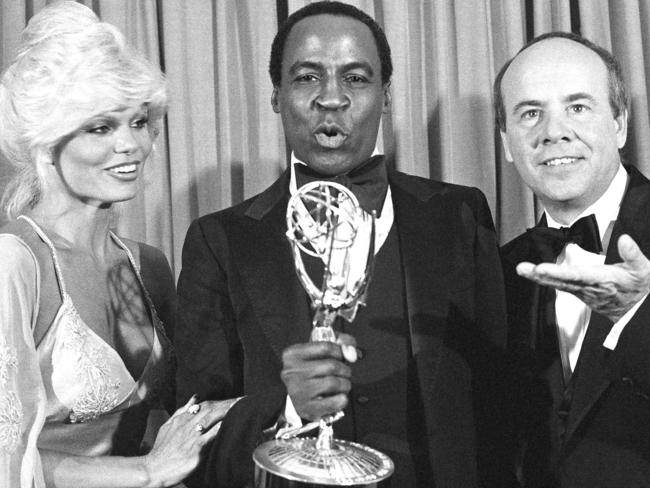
x: 319, y: 66
x: 304, y: 65
x: 526, y: 103
x: 113, y: 115
x: 360, y: 65
x: 574, y: 97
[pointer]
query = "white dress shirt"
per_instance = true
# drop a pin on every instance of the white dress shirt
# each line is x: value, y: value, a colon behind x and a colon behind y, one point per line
x: 572, y: 314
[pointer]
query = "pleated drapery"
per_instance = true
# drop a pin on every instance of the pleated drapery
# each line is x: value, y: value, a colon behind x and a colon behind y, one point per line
x: 222, y: 143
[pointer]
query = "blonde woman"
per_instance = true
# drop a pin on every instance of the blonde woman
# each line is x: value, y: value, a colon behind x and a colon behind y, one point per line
x: 83, y: 352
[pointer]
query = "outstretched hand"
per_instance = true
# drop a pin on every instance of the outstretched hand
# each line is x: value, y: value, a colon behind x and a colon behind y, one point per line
x: 609, y: 289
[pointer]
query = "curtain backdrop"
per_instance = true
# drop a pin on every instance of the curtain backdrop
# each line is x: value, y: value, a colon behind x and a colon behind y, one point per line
x: 223, y: 143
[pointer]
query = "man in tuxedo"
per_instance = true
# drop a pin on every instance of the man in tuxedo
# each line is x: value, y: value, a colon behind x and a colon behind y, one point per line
x: 576, y: 284
x: 425, y: 388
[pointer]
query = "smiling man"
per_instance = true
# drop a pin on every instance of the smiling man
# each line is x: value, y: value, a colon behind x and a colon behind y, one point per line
x: 576, y: 284
x: 425, y: 390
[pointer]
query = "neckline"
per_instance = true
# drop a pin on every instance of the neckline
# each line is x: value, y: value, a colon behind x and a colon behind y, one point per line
x: 67, y: 306
x: 66, y: 299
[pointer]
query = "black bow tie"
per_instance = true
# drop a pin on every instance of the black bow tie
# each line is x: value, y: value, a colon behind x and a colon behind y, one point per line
x: 550, y: 242
x: 368, y: 182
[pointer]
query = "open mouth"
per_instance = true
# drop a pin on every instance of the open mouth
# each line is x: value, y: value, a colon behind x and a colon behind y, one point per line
x: 560, y: 161
x: 331, y: 137
x: 124, y: 169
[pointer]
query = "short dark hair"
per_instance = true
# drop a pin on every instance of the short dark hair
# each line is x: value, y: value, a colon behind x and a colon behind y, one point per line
x: 331, y: 8
x: 618, y: 96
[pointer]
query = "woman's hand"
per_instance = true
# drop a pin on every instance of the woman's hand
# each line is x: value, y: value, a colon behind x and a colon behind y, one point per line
x: 177, y: 449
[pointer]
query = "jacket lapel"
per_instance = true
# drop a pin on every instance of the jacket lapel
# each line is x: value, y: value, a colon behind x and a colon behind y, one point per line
x: 274, y: 292
x: 596, y: 367
x: 418, y: 227
x: 633, y: 217
x: 423, y: 249
x: 522, y: 296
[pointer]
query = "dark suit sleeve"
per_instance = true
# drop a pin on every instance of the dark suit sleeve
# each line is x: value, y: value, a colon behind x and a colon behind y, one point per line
x: 633, y: 350
x: 490, y: 295
x: 210, y: 359
x: 493, y: 420
x: 206, y: 342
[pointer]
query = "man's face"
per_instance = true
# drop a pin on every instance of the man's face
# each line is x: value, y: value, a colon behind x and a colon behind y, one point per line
x: 561, y: 133
x: 331, y: 96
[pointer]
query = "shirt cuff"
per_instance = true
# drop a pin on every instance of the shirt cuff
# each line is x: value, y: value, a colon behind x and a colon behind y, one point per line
x: 287, y: 420
x: 617, y: 329
x: 291, y: 417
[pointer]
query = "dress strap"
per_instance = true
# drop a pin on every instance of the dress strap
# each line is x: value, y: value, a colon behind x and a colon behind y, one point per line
x: 48, y: 242
x: 161, y: 340
x: 154, y: 315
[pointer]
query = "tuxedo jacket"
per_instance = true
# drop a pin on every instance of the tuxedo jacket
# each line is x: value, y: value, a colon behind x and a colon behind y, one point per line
x: 241, y: 304
x: 595, y: 431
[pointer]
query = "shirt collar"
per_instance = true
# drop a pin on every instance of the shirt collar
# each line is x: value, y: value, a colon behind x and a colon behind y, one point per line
x: 606, y: 208
x: 293, y: 188
x: 383, y: 223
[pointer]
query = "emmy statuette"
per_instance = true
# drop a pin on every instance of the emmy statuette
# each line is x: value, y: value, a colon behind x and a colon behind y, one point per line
x: 323, y: 221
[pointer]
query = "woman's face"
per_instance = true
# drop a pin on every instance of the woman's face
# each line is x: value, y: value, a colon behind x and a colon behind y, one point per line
x: 102, y: 162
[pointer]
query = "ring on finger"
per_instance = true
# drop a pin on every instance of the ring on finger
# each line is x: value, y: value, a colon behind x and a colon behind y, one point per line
x: 194, y: 409
x: 199, y: 428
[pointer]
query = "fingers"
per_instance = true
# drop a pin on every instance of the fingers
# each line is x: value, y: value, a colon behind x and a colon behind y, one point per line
x: 318, y: 375
x: 525, y: 269
x: 540, y: 274
x: 186, y: 407
x: 316, y: 387
x: 635, y: 266
x: 319, y: 407
x: 630, y: 252
x: 216, y: 410
x: 549, y: 272
x: 210, y: 433
x: 315, y: 396
x: 348, y: 347
x: 610, y: 289
x: 346, y: 339
x: 343, y: 349
x: 205, y: 423
x: 560, y: 276
x: 349, y: 353
x: 211, y: 416
x: 319, y: 389
x: 316, y: 368
x: 201, y: 417
x: 182, y: 437
x: 313, y: 408
x: 311, y: 351
x: 635, y: 261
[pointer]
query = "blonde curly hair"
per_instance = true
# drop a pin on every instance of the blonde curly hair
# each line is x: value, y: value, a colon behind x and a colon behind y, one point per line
x: 70, y: 67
